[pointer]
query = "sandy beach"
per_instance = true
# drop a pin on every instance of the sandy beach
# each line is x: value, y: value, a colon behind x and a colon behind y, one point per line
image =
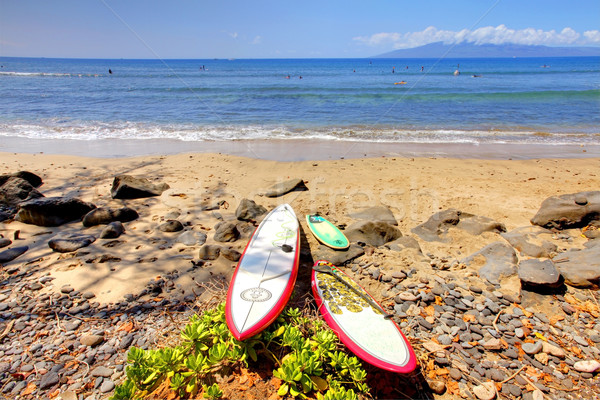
x: 507, y: 191
x: 135, y: 282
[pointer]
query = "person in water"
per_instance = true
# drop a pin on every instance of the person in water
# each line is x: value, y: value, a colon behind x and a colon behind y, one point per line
x: 110, y: 71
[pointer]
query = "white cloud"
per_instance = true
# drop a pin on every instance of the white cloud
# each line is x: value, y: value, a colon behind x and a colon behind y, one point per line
x: 256, y: 40
x: 489, y: 34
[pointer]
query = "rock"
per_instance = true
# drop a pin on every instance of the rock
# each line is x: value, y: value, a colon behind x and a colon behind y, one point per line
x: 130, y: 187
x: 30, y: 177
x: 485, y: 391
x: 437, y: 225
x: 230, y: 254
x: 71, y: 242
x: 406, y: 296
x: 102, y: 371
x: 209, y: 252
x: 226, y: 232
x: 107, y: 386
x: 171, y: 225
x: 91, y: 340
x: 112, y: 230
x: 375, y: 214
x: 531, y: 241
x: 279, y: 189
x: 372, y: 233
x: 574, y: 210
x: 248, y: 210
x: 495, y: 261
x: 404, y: 242
x: 589, y: 366
x: 52, y: 211
x: 580, y: 268
x: 532, y: 348
x: 338, y: 257
x: 476, y: 225
x: 5, y: 242
x: 437, y: 387
x: 537, y: 273
x: 15, y: 190
x: 493, y: 344
x: 48, y: 380
x: 68, y: 395
x: 10, y: 254
x: 103, y: 216
x: 192, y: 238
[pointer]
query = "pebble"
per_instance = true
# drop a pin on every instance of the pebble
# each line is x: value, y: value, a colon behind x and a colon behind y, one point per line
x: 107, y: 386
x: 485, y: 391
x: 91, y: 340
x: 532, y: 348
x: 589, y: 366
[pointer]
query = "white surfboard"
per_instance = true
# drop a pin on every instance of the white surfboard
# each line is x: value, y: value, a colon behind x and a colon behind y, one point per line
x: 264, y: 278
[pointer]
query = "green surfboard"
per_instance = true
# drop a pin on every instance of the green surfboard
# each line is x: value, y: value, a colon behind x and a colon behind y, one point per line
x: 326, y: 232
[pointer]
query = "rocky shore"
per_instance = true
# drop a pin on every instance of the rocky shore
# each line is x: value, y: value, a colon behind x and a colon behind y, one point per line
x: 100, y: 260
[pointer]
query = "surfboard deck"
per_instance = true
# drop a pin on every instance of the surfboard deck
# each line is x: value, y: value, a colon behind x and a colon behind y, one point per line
x: 326, y: 232
x: 359, y: 325
x: 264, y: 278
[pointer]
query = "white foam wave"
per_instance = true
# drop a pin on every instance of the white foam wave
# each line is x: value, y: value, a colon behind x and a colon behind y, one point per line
x: 90, y: 131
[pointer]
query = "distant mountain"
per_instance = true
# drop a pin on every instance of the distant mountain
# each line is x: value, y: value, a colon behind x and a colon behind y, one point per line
x: 471, y: 50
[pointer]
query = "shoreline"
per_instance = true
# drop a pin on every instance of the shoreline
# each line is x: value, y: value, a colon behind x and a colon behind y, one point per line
x: 295, y: 149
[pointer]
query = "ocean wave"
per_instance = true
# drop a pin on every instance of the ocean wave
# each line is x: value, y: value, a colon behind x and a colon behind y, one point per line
x: 91, y: 131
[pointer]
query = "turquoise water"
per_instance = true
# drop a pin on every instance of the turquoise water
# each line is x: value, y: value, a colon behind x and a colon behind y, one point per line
x: 510, y: 101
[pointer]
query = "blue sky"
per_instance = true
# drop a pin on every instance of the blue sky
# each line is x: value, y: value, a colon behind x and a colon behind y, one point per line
x: 282, y: 29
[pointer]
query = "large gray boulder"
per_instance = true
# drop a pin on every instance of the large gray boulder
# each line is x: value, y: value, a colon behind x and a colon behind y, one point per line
x: 338, y: 257
x: 495, y: 261
x: 52, y: 211
x: 15, y: 190
x: 531, y: 241
x: 131, y: 187
x: 377, y: 213
x: 436, y: 227
x: 539, y: 273
x: 30, y: 177
x: 279, y: 189
x: 12, y: 253
x: 372, y: 233
x: 70, y: 243
x: 580, y: 268
x: 248, y: 210
x: 226, y: 232
x: 104, y: 216
x: 574, y: 210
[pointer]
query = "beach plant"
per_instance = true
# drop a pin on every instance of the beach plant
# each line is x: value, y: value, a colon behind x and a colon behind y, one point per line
x: 306, y: 357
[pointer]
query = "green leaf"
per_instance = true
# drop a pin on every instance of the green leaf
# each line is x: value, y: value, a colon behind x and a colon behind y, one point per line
x: 150, y: 378
x: 283, y: 389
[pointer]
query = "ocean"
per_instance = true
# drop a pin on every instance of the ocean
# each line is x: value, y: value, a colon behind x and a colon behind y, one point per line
x: 553, y: 101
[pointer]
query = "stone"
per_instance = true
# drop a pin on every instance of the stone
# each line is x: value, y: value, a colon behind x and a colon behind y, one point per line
x: 131, y: 187
x: 435, y: 228
x: 495, y: 262
x: 209, y: 252
x: 107, y: 386
x: 248, y: 210
x: 226, y: 232
x: 30, y: 177
x: 485, y: 391
x: 102, y: 371
x: 5, y: 242
x: 531, y: 241
x: 574, y: 210
x: 70, y: 242
x: 406, y: 296
x: 437, y: 386
x: 192, y: 238
x: 230, y: 254
x: 536, y: 273
x: 52, y: 211
x: 113, y: 230
x: 374, y: 214
x: 476, y: 225
x: 589, y: 366
x: 372, y: 233
x: 91, y: 340
x: 170, y: 226
x: 48, y: 380
x: 493, y: 344
x: 103, y: 216
x: 68, y: 395
x: 14, y: 191
x: 338, y: 257
x: 405, y: 242
x: 279, y: 189
x: 580, y: 268
x: 12, y: 253
x: 532, y: 348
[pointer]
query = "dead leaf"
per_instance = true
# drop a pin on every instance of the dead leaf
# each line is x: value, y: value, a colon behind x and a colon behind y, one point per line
x: 29, y: 389
x: 442, y: 371
x: 429, y: 310
x: 469, y: 318
x: 452, y: 387
x: 54, y: 394
x: 126, y: 326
